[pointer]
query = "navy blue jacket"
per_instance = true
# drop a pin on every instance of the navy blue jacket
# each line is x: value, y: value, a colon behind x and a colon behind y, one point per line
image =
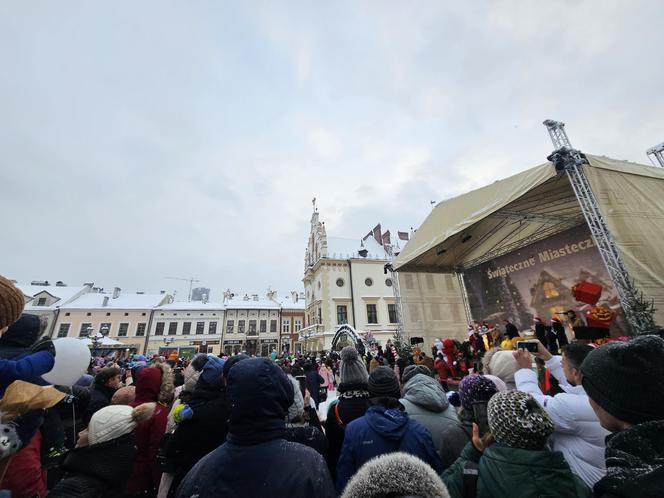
x: 380, y: 431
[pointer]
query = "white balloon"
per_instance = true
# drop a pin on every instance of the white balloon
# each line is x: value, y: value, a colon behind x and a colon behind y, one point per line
x: 72, y: 357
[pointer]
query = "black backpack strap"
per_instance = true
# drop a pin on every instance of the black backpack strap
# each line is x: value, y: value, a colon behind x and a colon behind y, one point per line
x: 471, y: 473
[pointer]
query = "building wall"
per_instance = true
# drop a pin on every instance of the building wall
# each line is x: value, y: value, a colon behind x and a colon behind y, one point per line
x: 294, y: 319
x: 96, y: 317
x: 259, y: 343
x: 204, y: 342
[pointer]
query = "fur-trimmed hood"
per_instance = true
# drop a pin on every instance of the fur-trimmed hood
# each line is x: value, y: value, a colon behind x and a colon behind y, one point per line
x: 154, y: 383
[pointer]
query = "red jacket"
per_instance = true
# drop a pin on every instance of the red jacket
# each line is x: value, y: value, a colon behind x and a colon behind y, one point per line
x: 441, y: 368
x: 25, y: 477
x: 154, y: 384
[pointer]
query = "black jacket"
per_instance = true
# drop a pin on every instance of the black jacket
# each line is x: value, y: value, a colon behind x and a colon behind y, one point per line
x: 634, y: 463
x: 511, y: 331
x: 349, y: 409
x: 196, y: 437
x: 97, y: 471
x: 308, y: 436
x: 20, y: 336
x: 100, y: 396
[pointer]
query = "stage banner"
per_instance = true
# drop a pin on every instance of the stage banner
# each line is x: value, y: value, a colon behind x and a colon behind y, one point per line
x: 539, y: 280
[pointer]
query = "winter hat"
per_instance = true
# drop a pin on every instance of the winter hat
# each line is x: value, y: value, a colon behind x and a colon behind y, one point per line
x: 517, y: 420
x: 475, y: 388
x: 114, y: 421
x: 297, y: 408
x: 383, y: 383
x: 351, y: 368
x: 500, y: 385
x: 401, y: 474
x: 124, y: 395
x: 412, y: 370
x: 12, y: 303
x: 625, y: 378
x: 84, y: 380
x: 501, y: 364
x: 199, y: 361
x: 23, y: 333
x: 232, y: 361
x: 212, y: 372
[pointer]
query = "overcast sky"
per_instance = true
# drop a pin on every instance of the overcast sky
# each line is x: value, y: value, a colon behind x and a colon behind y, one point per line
x: 140, y: 140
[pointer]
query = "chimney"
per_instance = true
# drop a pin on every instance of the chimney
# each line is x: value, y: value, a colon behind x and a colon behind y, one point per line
x: 386, y: 239
x: 116, y: 292
x: 254, y: 297
x: 105, y: 302
x: 60, y: 283
x: 377, y: 234
x: 162, y: 292
x: 140, y: 292
x: 205, y: 298
x: 246, y: 297
x: 294, y: 296
x: 89, y: 284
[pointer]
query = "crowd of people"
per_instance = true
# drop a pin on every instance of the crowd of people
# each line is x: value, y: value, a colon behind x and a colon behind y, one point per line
x: 390, y: 422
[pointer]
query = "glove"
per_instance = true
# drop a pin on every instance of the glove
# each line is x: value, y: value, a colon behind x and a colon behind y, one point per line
x: 44, y: 345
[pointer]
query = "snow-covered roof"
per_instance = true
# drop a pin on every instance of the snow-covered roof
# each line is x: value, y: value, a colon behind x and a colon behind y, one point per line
x: 239, y: 302
x: 63, y: 294
x: 340, y: 248
x: 125, y: 301
x: 288, y: 303
x: 192, y: 305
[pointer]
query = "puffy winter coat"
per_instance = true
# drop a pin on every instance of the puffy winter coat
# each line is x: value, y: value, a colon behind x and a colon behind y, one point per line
x: 426, y: 402
x: 383, y: 430
x: 97, y: 471
x: 25, y: 477
x: 308, y: 436
x: 154, y: 384
x: 511, y: 472
x: 352, y: 403
x: 100, y: 396
x: 255, y: 461
x: 635, y: 463
x: 454, y: 439
x: 578, y: 434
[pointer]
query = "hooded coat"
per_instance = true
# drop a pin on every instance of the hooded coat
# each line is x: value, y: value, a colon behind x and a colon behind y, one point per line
x: 455, y: 437
x: 154, y: 384
x: 383, y: 430
x: 18, y: 338
x: 97, y: 471
x: 255, y: 461
x: 426, y: 402
x: 506, y: 472
x: 634, y: 463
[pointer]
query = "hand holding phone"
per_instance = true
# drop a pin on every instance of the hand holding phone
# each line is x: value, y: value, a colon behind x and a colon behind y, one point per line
x: 480, y: 417
x: 530, y: 346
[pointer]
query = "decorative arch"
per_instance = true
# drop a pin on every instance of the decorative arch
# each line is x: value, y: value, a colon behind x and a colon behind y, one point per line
x: 347, y: 336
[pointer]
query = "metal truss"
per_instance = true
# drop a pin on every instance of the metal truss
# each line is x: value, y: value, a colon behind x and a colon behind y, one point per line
x: 569, y: 160
x: 658, y: 153
x: 464, y: 295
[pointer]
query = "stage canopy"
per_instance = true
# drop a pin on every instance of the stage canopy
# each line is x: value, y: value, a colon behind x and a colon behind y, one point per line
x: 506, y: 215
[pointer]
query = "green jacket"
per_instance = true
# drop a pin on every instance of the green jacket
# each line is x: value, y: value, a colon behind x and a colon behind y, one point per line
x: 515, y: 473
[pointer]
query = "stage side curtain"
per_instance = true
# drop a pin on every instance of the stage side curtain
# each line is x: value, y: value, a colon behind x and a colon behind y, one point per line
x: 454, y: 215
x: 631, y: 200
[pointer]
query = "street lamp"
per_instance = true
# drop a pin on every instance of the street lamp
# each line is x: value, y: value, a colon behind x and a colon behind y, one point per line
x: 96, y: 338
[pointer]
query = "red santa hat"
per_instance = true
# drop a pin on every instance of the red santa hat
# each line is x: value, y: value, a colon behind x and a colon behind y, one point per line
x: 555, y: 319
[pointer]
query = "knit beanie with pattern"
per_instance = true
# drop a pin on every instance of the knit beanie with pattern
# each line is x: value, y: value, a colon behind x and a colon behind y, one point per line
x: 12, y: 303
x: 626, y: 378
x: 412, y: 370
x: 517, y: 420
x: 383, y: 383
x: 351, y: 367
x: 475, y: 388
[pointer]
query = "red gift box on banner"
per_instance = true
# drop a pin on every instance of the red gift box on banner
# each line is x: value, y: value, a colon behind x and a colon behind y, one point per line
x: 600, y: 317
x: 586, y: 292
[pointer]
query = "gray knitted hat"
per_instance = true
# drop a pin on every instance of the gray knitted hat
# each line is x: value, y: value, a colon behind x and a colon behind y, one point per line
x: 517, y: 420
x: 351, y: 368
x: 383, y: 383
x: 412, y: 370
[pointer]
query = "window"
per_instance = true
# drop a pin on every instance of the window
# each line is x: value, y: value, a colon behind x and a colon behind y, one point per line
x: 550, y: 290
x: 408, y: 277
x: 229, y: 326
x: 67, y: 314
x: 84, y: 329
x: 252, y: 327
x: 63, y: 331
x: 435, y: 311
x: 108, y: 314
x: 212, y: 328
x: 388, y: 282
x: 126, y: 314
x: 414, y: 312
x: 200, y: 327
x: 140, y: 330
x: 41, y: 301
x: 298, y: 325
x: 342, y: 315
x: 263, y: 326
x: 240, y: 327
x: 285, y: 327
x: 105, y: 328
x: 273, y: 325
x: 392, y: 312
x: 372, y: 314
x: 122, y: 331
x: 430, y: 283
x: 142, y: 314
x: 172, y: 328
x: 88, y: 314
x: 368, y: 282
x: 449, y: 283
x: 159, y: 329
x: 340, y: 282
x: 320, y: 316
x: 186, y: 328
